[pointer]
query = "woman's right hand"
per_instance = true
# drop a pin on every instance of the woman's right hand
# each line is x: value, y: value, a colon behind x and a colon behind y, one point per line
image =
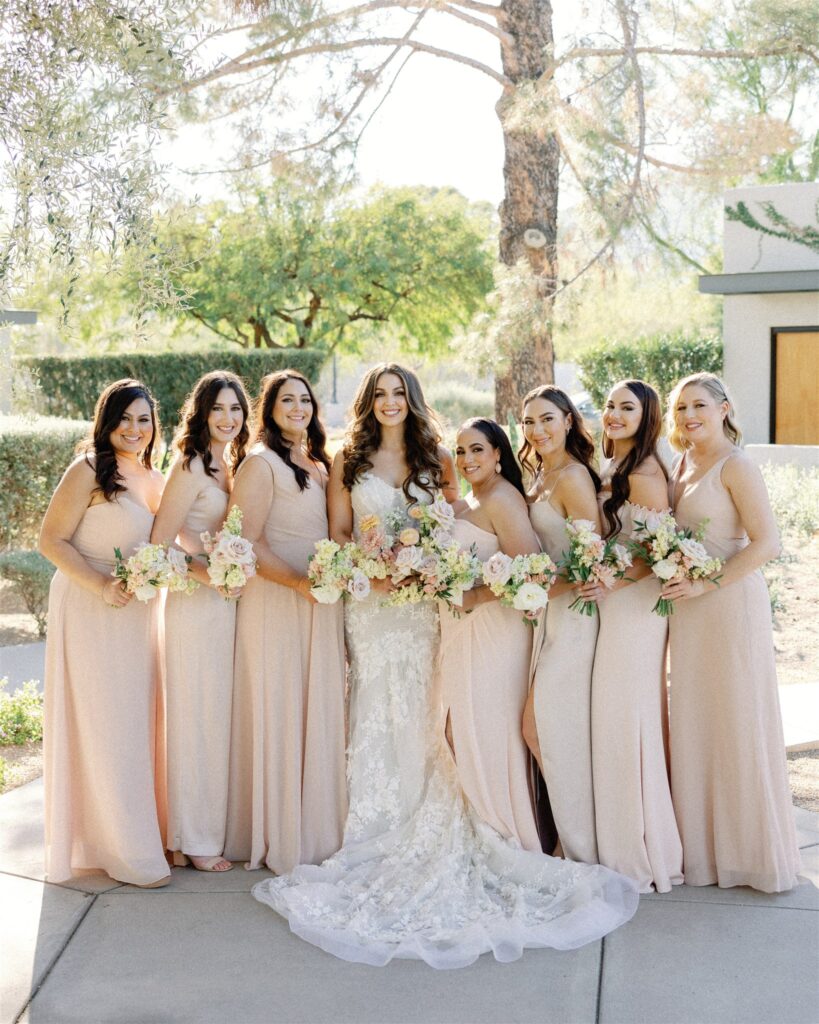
x: 114, y: 594
x: 304, y: 587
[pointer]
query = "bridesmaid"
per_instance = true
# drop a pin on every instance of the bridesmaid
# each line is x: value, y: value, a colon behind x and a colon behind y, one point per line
x: 485, y: 656
x: 199, y: 628
x: 728, y: 771
x: 287, y: 798
x: 637, y: 833
x: 558, y: 452
x: 101, y: 657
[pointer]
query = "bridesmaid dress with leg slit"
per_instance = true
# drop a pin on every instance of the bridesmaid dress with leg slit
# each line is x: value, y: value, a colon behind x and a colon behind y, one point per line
x: 562, y: 702
x: 484, y: 672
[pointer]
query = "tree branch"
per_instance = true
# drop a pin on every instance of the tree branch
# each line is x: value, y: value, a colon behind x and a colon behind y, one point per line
x: 677, y: 51
x: 499, y: 33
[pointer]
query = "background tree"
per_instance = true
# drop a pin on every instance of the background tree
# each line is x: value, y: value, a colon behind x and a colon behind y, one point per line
x: 294, y: 269
x: 626, y: 100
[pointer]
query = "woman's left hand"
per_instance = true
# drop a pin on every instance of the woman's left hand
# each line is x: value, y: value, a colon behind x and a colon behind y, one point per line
x: 591, y: 591
x: 679, y: 590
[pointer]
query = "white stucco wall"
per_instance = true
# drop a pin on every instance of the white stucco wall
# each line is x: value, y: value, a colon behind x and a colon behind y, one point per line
x: 747, y: 323
x: 747, y: 250
x: 748, y: 319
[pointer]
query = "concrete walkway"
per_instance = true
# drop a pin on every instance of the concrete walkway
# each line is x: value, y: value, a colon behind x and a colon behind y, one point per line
x: 203, y: 950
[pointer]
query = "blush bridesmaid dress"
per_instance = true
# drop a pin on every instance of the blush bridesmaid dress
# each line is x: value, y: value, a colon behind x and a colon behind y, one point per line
x: 637, y: 832
x: 484, y: 671
x: 199, y: 635
x: 562, y: 702
x: 728, y: 770
x: 101, y: 702
x: 287, y: 798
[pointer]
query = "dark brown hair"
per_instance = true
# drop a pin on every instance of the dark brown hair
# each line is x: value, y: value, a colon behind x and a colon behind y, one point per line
x: 193, y: 435
x: 108, y: 412
x: 645, y: 444
x: 579, y: 443
x: 421, y: 433
x: 496, y: 436
x: 268, y: 432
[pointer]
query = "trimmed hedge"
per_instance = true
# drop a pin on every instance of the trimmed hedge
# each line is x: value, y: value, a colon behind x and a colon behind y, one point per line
x: 70, y: 385
x: 34, y: 454
x: 661, y: 360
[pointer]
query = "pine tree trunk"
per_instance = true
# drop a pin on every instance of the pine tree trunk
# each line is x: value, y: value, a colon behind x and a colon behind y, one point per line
x: 530, y: 171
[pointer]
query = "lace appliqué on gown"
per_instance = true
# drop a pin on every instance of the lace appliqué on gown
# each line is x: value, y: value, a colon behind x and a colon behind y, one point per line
x: 419, y: 876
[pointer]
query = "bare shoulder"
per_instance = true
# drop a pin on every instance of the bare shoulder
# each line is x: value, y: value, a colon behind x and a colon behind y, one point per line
x: 739, y: 469
x: 254, y: 469
x: 83, y: 468
x: 574, y: 480
x: 504, y: 499
x: 651, y: 467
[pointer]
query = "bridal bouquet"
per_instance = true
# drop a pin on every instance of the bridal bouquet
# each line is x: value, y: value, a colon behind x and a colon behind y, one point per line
x: 231, y: 561
x: 673, y: 553
x: 334, y: 571
x: 590, y: 559
x: 429, y: 561
x: 522, y: 582
x: 151, y: 568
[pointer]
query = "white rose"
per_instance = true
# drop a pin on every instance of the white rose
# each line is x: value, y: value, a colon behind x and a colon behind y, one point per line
x: 693, y: 550
x: 441, y: 512
x: 408, y: 560
x: 326, y: 593
x: 146, y: 592
x: 498, y: 569
x: 236, y: 549
x: 178, y: 561
x: 359, y: 586
x: 666, y: 569
x: 530, y: 598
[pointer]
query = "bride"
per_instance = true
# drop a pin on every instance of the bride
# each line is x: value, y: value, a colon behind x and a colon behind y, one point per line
x: 420, y: 876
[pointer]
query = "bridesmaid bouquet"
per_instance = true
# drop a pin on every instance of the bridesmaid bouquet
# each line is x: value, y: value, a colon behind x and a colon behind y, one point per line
x: 151, y: 568
x: 522, y: 582
x: 231, y: 561
x: 590, y: 559
x: 673, y: 553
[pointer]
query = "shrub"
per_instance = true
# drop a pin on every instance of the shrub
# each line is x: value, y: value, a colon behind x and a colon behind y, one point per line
x: 661, y: 360
x: 31, y: 575
x: 33, y: 456
x: 21, y: 714
x: 70, y: 385
x: 794, y: 493
x: 456, y: 402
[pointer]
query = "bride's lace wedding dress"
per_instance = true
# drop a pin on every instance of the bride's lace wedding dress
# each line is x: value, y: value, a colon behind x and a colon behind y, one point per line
x: 419, y: 875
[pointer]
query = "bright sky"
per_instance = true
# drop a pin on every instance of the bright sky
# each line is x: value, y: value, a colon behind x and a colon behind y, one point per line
x: 437, y: 127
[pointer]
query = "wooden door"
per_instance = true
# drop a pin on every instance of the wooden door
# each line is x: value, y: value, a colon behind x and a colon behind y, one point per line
x: 796, y: 408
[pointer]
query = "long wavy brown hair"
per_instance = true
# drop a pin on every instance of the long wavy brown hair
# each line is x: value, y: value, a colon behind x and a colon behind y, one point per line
x: 193, y: 435
x: 579, y: 443
x: 269, y: 433
x: 645, y: 444
x: 97, y: 448
x: 421, y: 433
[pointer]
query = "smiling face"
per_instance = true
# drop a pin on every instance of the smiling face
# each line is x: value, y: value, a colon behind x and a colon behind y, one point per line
x: 475, y: 457
x: 390, y: 405
x: 293, y: 409
x: 622, y: 415
x: 226, y: 417
x: 545, y: 426
x: 135, y: 430
x: 698, y: 415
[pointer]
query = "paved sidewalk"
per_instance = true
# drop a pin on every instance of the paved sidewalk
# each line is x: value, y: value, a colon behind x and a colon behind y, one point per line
x: 203, y: 950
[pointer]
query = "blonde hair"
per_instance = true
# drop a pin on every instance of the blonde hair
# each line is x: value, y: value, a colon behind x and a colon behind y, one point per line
x: 719, y: 392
